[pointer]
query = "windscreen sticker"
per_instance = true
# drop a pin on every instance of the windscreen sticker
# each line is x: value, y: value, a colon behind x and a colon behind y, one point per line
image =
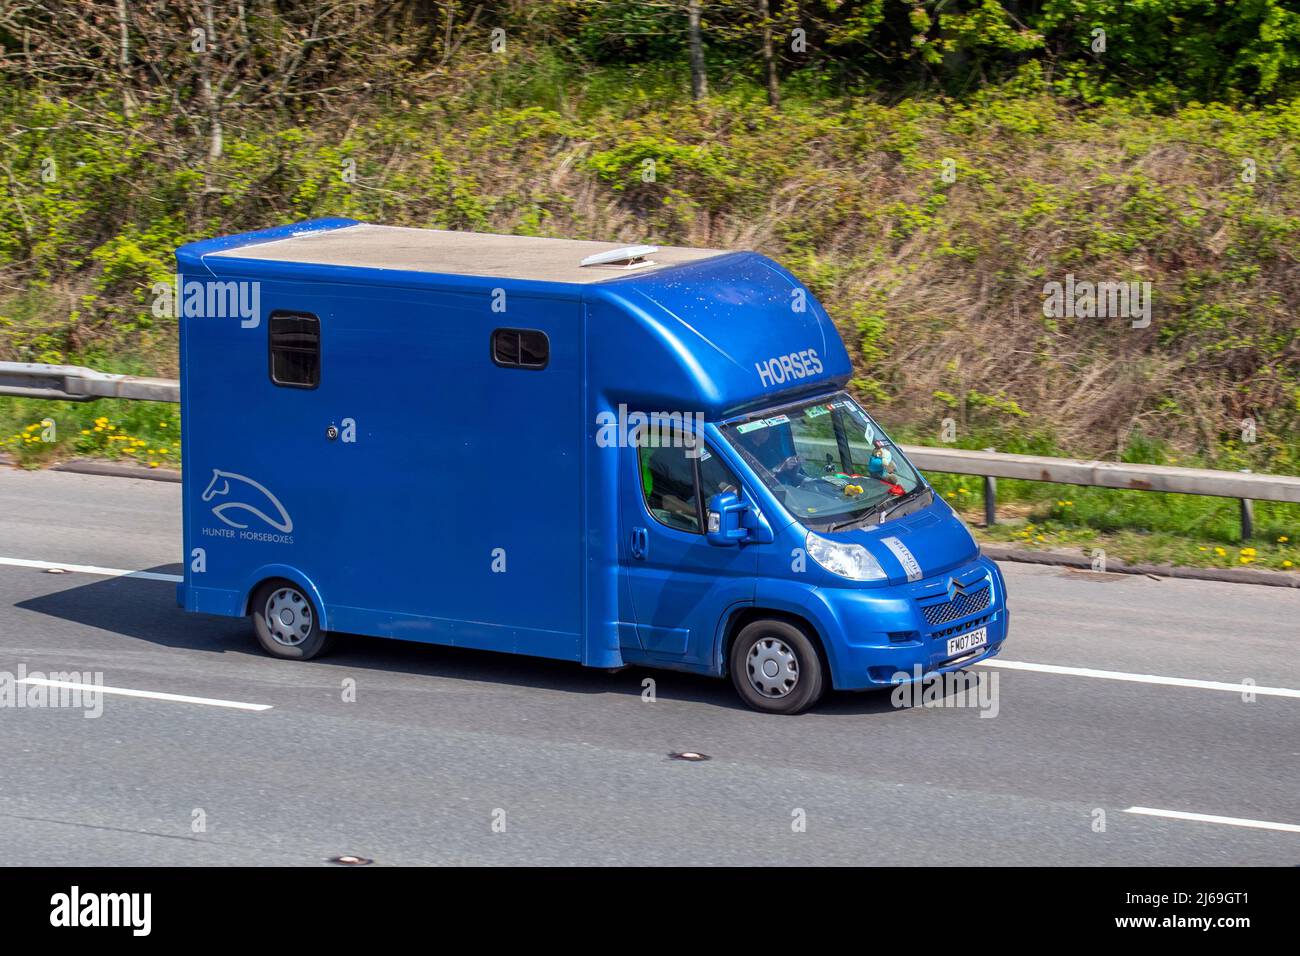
x: 869, y: 434
x: 777, y: 420
x: 905, y: 557
x: 750, y: 426
x: 817, y: 411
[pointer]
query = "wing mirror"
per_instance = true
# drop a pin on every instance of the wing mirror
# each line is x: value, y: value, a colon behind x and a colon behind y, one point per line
x: 727, y: 524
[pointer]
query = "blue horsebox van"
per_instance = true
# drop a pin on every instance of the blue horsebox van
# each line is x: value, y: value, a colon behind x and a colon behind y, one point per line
x: 558, y: 448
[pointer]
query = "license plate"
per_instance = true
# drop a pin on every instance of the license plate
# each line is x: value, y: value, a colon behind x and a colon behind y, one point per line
x: 963, y: 643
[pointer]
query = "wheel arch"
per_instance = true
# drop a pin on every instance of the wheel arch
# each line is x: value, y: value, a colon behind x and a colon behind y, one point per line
x: 746, y: 615
x: 273, y: 572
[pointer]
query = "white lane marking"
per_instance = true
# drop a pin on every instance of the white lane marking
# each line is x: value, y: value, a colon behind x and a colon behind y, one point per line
x: 1238, y: 688
x: 148, y: 694
x: 1211, y: 818
x: 91, y: 569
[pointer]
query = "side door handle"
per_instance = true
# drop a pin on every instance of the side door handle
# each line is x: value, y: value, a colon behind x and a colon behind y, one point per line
x: 640, y: 543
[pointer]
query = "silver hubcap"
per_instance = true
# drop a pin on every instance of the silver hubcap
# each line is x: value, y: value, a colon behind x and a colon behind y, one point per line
x: 772, y: 667
x: 288, y: 617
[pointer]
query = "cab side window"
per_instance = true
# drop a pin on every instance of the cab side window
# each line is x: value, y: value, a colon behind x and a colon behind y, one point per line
x: 715, y: 476
x: 672, y: 477
x: 668, y: 482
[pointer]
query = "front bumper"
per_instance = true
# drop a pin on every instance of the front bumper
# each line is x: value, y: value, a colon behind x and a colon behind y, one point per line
x: 895, y: 635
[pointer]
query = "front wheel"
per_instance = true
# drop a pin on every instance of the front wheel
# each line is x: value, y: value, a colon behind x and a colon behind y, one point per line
x: 286, y: 623
x: 775, y: 668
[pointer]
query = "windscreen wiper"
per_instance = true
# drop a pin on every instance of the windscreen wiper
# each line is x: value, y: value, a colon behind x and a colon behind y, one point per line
x: 901, y: 500
x: 856, y: 520
x: 883, y: 508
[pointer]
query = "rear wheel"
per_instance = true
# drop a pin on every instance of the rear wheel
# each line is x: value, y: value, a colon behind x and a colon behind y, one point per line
x: 286, y: 622
x: 776, y: 668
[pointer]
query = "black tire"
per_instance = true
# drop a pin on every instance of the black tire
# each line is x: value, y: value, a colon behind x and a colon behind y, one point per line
x: 292, y: 636
x: 796, y: 678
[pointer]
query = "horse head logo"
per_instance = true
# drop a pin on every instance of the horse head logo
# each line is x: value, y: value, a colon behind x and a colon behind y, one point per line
x: 247, y: 496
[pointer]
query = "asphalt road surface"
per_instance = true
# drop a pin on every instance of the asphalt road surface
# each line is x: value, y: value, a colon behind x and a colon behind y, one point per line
x: 448, y: 756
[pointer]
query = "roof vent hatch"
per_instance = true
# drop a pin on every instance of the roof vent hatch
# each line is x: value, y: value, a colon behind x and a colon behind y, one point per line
x: 628, y: 257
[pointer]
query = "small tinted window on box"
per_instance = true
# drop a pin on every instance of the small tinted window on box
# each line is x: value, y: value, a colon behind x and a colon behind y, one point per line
x: 295, y: 350
x: 521, y: 348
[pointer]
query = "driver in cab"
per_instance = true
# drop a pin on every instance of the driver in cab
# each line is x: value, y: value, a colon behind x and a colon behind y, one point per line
x: 773, y: 448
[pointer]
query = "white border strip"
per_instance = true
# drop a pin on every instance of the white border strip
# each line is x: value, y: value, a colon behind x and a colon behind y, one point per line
x: 1239, y: 688
x: 1210, y: 818
x: 147, y: 694
x: 91, y: 569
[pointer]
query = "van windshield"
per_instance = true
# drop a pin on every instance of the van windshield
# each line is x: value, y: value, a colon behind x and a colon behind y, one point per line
x: 826, y: 461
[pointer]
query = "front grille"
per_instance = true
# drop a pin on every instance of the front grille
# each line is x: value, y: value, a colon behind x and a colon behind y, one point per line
x: 961, y: 628
x: 964, y: 604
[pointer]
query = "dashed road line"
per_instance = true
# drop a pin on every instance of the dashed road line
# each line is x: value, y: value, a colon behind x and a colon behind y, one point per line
x: 90, y: 569
x: 146, y: 694
x: 1211, y: 818
x: 1241, y: 687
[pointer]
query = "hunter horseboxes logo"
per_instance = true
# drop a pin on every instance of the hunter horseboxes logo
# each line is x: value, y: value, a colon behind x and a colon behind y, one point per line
x: 247, y: 508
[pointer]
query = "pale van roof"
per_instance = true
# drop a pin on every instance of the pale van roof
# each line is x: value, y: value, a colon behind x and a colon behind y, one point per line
x: 457, y: 253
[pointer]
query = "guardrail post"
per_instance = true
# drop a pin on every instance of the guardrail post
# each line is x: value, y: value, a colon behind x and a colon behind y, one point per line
x: 1247, y: 516
x: 990, y: 499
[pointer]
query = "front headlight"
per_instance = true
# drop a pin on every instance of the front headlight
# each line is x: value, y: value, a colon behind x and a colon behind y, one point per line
x: 851, y: 561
